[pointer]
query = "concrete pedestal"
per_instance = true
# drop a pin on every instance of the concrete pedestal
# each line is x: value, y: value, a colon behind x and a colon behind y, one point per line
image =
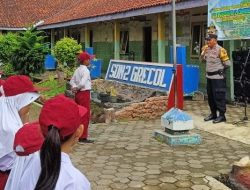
x: 180, y: 139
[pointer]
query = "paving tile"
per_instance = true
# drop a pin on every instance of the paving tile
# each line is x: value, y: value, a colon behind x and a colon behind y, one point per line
x: 125, y: 156
x: 168, y: 179
x: 136, y: 184
x: 200, y: 187
x: 182, y: 172
x: 118, y: 186
x: 183, y: 184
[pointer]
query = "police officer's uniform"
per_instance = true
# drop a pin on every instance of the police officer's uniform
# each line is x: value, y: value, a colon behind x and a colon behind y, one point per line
x: 217, y: 61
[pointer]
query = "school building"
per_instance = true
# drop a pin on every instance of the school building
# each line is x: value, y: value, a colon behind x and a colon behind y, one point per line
x: 138, y: 30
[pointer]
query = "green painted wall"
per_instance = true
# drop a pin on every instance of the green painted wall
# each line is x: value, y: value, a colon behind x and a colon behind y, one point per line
x: 137, y: 47
x: 155, y: 51
x: 104, y: 51
x: 83, y: 45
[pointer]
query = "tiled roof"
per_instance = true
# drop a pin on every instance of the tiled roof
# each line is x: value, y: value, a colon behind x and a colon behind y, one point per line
x: 19, y: 13
x: 92, y: 8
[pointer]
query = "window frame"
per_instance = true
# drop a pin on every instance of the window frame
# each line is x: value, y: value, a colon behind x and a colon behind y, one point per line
x: 124, y: 42
x: 202, y: 35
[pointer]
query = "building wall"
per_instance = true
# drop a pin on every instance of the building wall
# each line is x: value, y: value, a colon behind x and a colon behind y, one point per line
x: 103, y: 42
x: 103, y: 38
x: 135, y: 38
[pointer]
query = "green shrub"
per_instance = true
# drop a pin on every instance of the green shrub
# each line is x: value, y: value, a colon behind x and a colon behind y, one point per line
x: 65, y: 51
x: 28, y: 57
x: 8, y: 43
x: 7, y: 69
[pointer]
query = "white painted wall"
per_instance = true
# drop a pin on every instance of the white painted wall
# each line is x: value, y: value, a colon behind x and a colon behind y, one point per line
x: 103, y: 32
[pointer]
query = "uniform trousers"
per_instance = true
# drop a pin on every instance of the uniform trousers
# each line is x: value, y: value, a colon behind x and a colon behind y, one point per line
x: 216, y: 91
x: 3, y: 179
x: 83, y: 98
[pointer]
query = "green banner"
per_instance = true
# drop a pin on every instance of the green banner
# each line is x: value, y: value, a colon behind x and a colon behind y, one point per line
x: 230, y: 17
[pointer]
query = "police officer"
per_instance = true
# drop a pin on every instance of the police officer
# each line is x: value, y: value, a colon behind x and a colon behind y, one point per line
x: 217, y: 61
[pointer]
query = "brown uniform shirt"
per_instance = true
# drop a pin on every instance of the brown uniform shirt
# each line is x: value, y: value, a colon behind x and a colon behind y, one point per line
x: 216, y: 58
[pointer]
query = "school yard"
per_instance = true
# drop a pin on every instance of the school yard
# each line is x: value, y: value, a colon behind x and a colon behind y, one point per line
x: 126, y: 156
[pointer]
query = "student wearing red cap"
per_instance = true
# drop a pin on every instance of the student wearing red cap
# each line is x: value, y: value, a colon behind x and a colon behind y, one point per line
x: 81, y: 85
x: 61, y: 125
x: 27, y: 143
x: 19, y: 93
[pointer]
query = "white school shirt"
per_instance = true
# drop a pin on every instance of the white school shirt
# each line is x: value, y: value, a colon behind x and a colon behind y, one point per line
x: 17, y: 171
x: 10, y: 122
x: 81, y: 78
x: 70, y: 178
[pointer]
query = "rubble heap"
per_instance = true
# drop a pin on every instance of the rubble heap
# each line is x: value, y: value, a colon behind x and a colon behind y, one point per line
x: 151, y: 108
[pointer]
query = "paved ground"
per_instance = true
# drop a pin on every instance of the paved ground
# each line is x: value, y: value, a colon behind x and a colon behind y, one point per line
x: 239, y: 132
x: 125, y: 155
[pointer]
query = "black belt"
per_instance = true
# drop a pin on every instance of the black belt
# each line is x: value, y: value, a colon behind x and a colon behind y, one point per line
x: 5, y: 172
x: 219, y: 72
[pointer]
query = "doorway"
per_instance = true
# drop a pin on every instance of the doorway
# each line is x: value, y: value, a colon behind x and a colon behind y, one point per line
x: 147, y: 43
x: 91, y: 36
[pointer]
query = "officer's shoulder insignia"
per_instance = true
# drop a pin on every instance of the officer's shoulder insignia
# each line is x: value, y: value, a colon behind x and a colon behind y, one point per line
x: 223, y: 55
x: 223, y: 51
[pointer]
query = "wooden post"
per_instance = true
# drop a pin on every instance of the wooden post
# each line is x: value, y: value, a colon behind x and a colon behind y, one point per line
x: 161, y: 38
x: 117, y: 40
x: 87, y: 37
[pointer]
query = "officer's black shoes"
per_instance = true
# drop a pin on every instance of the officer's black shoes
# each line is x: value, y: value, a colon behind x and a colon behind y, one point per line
x: 84, y: 140
x: 210, y: 117
x: 219, y: 119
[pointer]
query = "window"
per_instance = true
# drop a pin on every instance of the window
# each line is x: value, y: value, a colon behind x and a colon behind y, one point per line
x: 124, y: 47
x: 58, y: 34
x: 91, y: 37
x: 198, y: 38
x: 75, y: 34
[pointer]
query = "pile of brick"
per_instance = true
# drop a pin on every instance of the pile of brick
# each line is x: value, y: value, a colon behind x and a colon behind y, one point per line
x: 151, y: 108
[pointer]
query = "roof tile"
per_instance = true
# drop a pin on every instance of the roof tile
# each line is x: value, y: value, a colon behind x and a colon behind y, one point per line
x: 20, y: 13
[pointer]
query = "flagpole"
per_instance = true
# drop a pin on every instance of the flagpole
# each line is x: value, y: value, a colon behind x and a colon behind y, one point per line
x: 174, y: 51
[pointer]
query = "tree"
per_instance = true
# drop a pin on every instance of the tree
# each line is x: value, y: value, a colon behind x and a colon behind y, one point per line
x: 8, y: 44
x: 28, y: 57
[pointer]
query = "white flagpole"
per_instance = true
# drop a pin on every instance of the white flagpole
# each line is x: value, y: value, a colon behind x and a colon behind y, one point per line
x: 174, y: 50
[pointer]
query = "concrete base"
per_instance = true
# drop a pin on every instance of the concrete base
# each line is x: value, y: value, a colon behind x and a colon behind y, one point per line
x: 183, y: 139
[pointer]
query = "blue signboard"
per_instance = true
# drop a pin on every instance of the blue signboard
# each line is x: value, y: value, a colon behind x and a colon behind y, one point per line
x: 148, y: 75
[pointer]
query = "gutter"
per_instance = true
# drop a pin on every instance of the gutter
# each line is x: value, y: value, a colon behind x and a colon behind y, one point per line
x: 12, y: 29
x: 144, y: 11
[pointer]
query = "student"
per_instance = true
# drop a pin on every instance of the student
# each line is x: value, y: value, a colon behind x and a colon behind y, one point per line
x: 19, y: 93
x: 27, y: 143
x: 81, y: 86
x: 60, y: 121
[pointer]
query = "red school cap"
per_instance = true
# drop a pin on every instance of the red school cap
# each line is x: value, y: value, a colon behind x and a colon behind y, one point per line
x: 28, y: 139
x: 2, y: 82
x: 83, y: 56
x: 62, y: 113
x: 18, y: 84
